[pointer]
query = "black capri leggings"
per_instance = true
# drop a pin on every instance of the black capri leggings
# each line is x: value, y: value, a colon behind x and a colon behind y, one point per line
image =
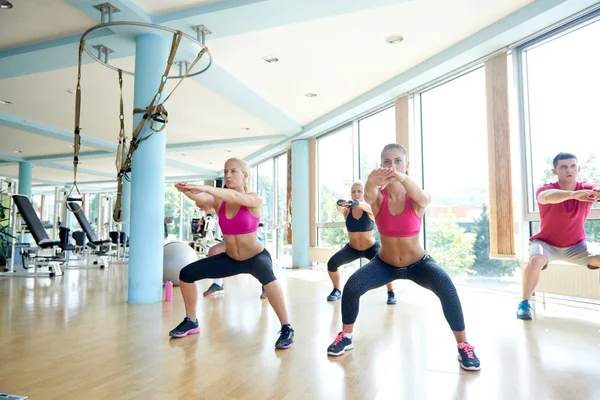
x: 424, y: 272
x: 348, y: 254
x: 221, y: 266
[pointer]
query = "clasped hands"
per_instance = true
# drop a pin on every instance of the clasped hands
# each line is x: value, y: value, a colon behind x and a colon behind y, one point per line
x: 587, y: 195
x: 384, y: 176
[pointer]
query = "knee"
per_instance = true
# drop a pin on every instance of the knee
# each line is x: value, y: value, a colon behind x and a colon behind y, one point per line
x: 332, y: 266
x: 352, y: 290
x: 213, y: 251
x: 264, y: 273
x: 594, y: 263
x: 186, y: 275
x: 537, y: 263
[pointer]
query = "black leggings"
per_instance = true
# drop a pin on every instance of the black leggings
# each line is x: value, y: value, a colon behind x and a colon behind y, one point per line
x: 221, y: 266
x: 424, y: 272
x: 348, y: 254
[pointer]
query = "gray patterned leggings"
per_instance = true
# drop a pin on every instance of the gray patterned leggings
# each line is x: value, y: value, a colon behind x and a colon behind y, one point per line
x: 424, y: 272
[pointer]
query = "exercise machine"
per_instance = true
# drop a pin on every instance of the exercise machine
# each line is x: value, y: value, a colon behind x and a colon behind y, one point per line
x: 44, y: 260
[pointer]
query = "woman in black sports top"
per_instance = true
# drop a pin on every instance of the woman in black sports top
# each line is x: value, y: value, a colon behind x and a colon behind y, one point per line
x: 359, y: 223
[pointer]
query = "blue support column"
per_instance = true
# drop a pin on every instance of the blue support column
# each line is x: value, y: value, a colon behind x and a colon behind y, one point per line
x: 147, y: 205
x: 25, y: 178
x: 300, y: 205
x: 126, y: 206
x: 25, y: 181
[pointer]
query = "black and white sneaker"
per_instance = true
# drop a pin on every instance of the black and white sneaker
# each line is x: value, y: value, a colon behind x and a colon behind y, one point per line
x: 186, y: 327
x: 468, y: 359
x: 391, y: 297
x: 214, y: 289
x: 286, y: 337
x: 340, y: 345
x: 336, y: 294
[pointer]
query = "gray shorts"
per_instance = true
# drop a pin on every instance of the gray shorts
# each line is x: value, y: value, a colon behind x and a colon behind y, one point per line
x: 578, y: 254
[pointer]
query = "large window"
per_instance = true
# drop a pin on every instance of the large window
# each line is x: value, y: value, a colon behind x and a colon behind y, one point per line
x: 374, y: 133
x: 561, y: 85
x: 456, y: 176
x: 265, y: 190
x: 335, y: 166
x: 284, y: 250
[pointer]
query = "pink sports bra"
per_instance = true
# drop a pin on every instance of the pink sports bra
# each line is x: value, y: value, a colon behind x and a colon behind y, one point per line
x: 242, y: 223
x: 407, y: 224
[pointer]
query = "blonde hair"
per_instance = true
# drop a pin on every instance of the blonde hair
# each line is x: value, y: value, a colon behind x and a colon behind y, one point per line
x: 244, y: 168
x: 357, y: 183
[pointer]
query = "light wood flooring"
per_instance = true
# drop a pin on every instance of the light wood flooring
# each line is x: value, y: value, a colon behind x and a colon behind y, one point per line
x: 75, y: 337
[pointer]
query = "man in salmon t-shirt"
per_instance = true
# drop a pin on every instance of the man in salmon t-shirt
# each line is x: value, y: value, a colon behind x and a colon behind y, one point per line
x: 564, y: 206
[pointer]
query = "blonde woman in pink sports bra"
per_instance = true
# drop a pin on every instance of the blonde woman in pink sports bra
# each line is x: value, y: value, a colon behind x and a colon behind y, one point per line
x: 398, y: 204
x: 239, y: 215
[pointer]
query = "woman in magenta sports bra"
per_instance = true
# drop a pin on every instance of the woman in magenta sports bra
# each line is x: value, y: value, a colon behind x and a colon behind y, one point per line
x: 399, y: 206
x: 239, y: 215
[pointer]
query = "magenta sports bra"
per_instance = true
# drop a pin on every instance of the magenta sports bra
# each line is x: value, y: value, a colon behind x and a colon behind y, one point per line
x: 407, y: 224
x: 242, y: 223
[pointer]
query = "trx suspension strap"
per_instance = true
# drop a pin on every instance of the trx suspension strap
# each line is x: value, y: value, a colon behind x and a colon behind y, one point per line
x: 154, y: 114
x: 77, y: 137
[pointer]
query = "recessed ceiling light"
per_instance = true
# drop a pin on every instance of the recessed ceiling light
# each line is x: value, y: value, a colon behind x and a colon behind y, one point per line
x: 271, y: 59
x: 71, y: 146
x: 5, y: 102
x: 227, y: 151
x: 394, y: 39
x: 183, y: 154
x: 18, y: 151
x: 5, y: 5
x: 310, y: 95
x: 210, y: 162
x: 245, y: 129
x: 70, y: 91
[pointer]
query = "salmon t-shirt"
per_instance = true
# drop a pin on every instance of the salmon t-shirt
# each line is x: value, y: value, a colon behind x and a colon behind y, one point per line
x: 562, y: 223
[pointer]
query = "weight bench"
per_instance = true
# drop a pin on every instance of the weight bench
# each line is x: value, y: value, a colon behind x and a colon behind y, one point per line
x: 99, y: 247
x: 43, y: 265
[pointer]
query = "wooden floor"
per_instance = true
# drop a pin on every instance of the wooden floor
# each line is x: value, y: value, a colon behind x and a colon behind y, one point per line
x: 75, y: 337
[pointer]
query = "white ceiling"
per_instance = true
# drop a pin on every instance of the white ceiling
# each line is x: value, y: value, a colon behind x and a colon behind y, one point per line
x: 50, y: 174
x: 217, y: 157
x: 31, y: 144
x: 163, y: 6
x: 195, y: 113
x: 31, y: 21
x: 342, y: 57
x: 339, y: 58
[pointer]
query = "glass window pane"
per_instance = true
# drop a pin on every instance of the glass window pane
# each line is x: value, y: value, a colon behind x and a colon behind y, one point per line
x: 562, y: 87
x: 374, y: 133
x: 284, y: 250
x: 332, y: 237
x: 457, y: 220
x: 265, y: 190
x: 282, y: 187
x: 172, y: 211
x: 335, y: 172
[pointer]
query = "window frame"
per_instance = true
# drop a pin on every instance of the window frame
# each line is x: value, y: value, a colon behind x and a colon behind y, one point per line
x: 524, y: 129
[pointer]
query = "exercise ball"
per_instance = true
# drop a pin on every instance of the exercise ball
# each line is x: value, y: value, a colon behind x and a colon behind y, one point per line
x: 176, y: 255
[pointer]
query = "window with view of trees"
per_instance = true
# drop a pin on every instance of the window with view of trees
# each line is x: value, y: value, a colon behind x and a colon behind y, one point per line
x: 457, y: 220
x: 284, y: 250
x: 562, y: 85
x: 562, y: 82
x: 335, y: 163
x: 374, y: 133
x: 265, y: 190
